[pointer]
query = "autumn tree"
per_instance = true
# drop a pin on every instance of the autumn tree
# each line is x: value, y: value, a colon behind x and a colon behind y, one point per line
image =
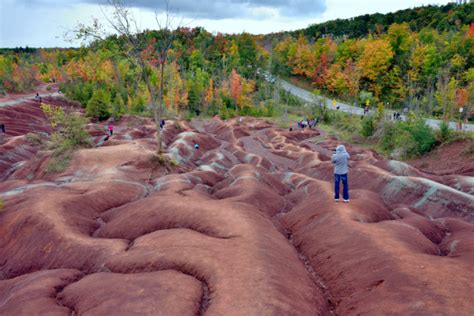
x: 142, y: 52
x: 374, y: 64
x: 235, y: 87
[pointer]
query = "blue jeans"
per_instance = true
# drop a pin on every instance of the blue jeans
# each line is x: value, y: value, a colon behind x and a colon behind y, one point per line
x: 345, y: 186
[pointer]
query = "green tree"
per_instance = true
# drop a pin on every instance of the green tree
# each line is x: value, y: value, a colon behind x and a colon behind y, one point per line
x: 99, y: 105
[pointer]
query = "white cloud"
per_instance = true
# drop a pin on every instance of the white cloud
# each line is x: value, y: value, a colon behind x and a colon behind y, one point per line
x: 41, y: 23
x: 209, y: 9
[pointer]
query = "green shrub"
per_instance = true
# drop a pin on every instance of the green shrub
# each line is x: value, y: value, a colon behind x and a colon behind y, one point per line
x: 444, y: 131
x: 59, y: 160
x: 78, y: 91
x: 270, y: 108
x: 422, y: 134
x: 258, y: 111
x: 99, y: 105
x: 368, y: 126
x: 411, y: 138
x: 34, y: 139
x: 226, y: 113
x: 394, y: 137
x: 118, y: 107
x: 469, y: 149
x: 188, y: 116
x: 138, y: 105
x: 212, y: 110
x: 73, y: 130
x: 69, y: 135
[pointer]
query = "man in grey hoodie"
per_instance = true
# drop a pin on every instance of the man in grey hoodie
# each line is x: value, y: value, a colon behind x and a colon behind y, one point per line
x: 340, y: 160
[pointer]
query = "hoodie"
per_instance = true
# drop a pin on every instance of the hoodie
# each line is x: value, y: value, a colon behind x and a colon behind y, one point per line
x: 340, y: 160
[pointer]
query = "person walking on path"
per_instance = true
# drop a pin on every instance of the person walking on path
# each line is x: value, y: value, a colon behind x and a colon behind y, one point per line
x: 111, y: 129
x: 340, y: 160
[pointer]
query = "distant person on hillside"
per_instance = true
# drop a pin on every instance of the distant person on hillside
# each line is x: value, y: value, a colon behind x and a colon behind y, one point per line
x: 2, y: 132
x: 162, y: 124
x: 37, y: 97
x: 111, y: 129
x: 340, y: 160
x: 196, y: 146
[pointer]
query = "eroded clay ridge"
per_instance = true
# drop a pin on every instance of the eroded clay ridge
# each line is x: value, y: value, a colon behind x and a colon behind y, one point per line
x: 246, y: 226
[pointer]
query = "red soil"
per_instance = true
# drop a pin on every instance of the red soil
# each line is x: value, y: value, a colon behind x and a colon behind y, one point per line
x: 454, y: 158
x: 247, y: 226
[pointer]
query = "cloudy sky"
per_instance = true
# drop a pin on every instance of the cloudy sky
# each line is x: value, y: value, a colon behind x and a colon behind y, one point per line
x: 42, y: 23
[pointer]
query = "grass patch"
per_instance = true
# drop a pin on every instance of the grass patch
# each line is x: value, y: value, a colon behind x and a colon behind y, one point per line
x: 161, y: 160
x: 58, y: 163
x: 177, y: 125
x: 61, y: 156
x: 35, y: 139
x: 70, y: 134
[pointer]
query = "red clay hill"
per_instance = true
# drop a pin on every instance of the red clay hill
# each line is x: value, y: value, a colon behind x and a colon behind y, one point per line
x: 245, y: 225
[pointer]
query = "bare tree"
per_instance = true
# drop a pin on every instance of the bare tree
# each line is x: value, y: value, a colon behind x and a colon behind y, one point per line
x: 122, y: 21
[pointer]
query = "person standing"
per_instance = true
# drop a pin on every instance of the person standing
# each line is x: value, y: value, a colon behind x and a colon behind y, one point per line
x: 340, y: 160
x: 111, y: 129
x: 2, y: 132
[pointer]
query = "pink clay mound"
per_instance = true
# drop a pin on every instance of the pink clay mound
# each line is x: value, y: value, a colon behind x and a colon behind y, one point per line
x: 244, y: 225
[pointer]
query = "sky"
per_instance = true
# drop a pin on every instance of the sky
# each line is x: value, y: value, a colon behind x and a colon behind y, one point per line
x: 43, y: 23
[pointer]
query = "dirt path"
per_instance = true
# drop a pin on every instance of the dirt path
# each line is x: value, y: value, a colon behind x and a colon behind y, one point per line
x: 19, y: 98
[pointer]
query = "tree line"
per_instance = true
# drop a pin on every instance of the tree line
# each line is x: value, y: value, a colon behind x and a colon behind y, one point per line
x: 421, y: 58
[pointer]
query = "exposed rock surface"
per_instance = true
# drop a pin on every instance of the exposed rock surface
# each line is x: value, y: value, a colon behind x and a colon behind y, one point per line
x: 246, y: 226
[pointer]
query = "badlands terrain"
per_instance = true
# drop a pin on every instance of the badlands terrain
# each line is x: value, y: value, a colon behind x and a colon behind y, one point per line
x: 244, y: 225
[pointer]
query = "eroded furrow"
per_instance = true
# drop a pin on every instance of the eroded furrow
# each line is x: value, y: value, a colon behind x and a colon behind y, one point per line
x: 246, y: 225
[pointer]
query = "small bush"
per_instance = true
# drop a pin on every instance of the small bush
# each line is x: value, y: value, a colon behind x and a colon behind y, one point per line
x: 422, y: 134
x: 212, y: 110
x: 34, y: 139
x: 444, y: 132
x: 59, y: 161
x: 118, y: 107
x: 188, y: 116
x: 69, y: 135
x: 396, y: 141
x: 99, y: 105
x: 177, y: 125
x: 407, y: 139
x: 78, y: 91
x: 161, y: 160
x: 469, y: 149
x: 368, y: 126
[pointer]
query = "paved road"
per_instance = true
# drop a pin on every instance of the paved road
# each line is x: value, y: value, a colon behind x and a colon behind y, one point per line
x: 309, y: 97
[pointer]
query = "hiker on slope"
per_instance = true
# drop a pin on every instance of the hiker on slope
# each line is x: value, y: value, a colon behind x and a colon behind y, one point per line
x: 340, y: 160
